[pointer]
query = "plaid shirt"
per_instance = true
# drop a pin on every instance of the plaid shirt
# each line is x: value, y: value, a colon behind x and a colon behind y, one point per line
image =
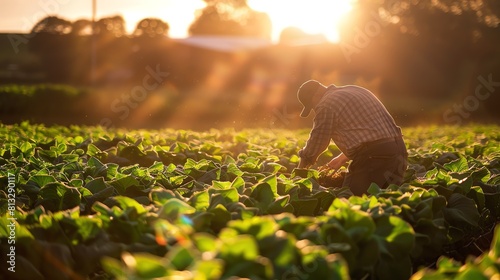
x: 350, y: 116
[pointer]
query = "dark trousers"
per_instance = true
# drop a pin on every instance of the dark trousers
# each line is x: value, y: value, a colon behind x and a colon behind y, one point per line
x: 382, y: 162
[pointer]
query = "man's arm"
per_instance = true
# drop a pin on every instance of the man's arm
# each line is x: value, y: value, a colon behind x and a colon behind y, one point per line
x: 304, y: 164
x: 319, y: 138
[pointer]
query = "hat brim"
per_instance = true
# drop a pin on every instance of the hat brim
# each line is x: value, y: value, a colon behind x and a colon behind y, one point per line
x: 305, y: 112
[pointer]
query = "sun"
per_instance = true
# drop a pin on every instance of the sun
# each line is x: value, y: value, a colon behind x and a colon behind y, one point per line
x: 311, y: 16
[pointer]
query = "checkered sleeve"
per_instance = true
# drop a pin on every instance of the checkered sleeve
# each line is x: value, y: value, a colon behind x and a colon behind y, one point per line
x: 320, y: 136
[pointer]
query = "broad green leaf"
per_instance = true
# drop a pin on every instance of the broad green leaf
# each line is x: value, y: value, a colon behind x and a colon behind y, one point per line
x: 132, y: 152
x: 272, y: 181
x: 359, y: 225
x: 482, y: 174
x: 369, y: 254
x: 280, y: 205
x: 208, y: 269
x: 470, y: 272
x: 306, y: 183
x: 113, y: 267
x: 10, y: 229
x: 260, y: 268
x: 156, y: 167
x: 273, y: 167
x: 180, y: 257
x: 57, y: 196
x: 264, y: 195
x: 149, y: 266
x: 96, y: 168
x: 93, y: 150
x: 96, y: 185
x: 200, y: 200
x: 374, y: 189
x: 175, y: 207
x: 339, y: 203
x: 100, y: 196
x: 394, y: 236
x: 259, y: 227
x: 205, y: 242
x: 127, y: 202
x: 221, y: 217
x: 26, y: 147
x: 101, y: 208
x: 122, y: 184
x: 304, y: 173
x: 88, y: 227
x: 42, y: 180
x: 304, y: 207
x: 229, y: 195
x: 325, y: 199
x: 234, y: 170
x: 438, y: 203
x: 423, y: 210
x: 239, y: 184
x: 461, y: 210
x: 280, y: 248
x: 221, y: 185
x: 191, y: 164
x: 459, y: 165
x: 46, y: 221
x: 160, y: 196
x: 250, y: 164
x: 111, y: 170
x: 77, y: 183
x: 448, y: 266
x: 242, y: 247
x: 94, y: 162
x: 477, y: 194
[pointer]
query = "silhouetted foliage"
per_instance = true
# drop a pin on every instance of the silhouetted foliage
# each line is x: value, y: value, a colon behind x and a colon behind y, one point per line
x: 151, y: 27
x: 231, y: 18
x: 111, y: 26
x: 52, y: 25
x: 82, y: 27
x: 420, y: 57
x: 409, y: 14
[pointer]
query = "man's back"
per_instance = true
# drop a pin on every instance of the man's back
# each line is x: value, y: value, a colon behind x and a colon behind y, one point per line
x: 357, y: 117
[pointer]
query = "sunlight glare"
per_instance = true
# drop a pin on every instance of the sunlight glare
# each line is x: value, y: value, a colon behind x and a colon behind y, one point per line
x: 312, y: 16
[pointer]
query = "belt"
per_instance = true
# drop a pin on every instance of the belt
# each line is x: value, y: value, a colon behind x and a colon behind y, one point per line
x: 382, y: 141
x: 376, y: 142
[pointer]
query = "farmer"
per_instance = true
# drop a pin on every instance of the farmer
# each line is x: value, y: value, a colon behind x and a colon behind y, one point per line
x: 363, y: 130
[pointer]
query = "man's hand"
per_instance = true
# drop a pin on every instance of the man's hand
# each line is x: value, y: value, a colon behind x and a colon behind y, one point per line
x: 336, y: 162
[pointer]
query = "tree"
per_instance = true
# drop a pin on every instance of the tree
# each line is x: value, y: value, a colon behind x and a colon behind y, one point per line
x: 82, y: 27
x: 232, y: 18
x: 432, y: 50
x: 52, y: 25
x: 419, y: 17
x: 151, y: 27
x: 110, y: 26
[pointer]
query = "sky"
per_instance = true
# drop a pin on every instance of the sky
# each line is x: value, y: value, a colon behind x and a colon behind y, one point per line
x: 22, y: 15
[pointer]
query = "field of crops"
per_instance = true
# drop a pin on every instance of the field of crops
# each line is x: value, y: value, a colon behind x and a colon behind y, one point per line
x: 87, y: 203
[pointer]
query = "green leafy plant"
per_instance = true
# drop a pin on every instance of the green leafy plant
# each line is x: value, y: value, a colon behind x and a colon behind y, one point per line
x: 210, y: 205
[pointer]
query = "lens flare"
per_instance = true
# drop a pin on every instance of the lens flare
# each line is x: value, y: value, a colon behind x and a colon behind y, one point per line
x: 313, y: 16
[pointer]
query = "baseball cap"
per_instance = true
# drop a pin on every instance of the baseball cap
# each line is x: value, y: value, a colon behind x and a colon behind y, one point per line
x: 305, y: 95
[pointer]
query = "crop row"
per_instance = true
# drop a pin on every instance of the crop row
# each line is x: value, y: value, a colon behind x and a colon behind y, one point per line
x: 148, y: 204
